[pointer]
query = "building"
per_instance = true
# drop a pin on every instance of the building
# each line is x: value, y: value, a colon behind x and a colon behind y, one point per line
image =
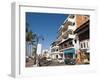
x: 39, y: 49
x: 55, y: 53
x: 28, y: 49
x: 66, y: 36
x: 73, y: 35
x: 82, y: 33
x: 45, y: 53
x: 64, y: 44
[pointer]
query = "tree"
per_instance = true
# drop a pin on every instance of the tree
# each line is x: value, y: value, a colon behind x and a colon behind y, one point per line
x: 30, y: 39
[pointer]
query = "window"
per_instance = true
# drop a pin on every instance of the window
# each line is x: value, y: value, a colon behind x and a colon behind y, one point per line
x: 73, y: 24
x: 84, y: 44
x: 81, y: 45
x: 75, y: 40
x: 87, y: 44
x: 70, y: 43
x: 65, y: 45
x: 57, y: 50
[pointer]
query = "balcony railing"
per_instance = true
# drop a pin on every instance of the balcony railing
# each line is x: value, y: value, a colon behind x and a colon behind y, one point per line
x: 66, y: 35
x: 55, y: 47
x: 71, y: 18
x: 67, y: 47
x: 71, y: 27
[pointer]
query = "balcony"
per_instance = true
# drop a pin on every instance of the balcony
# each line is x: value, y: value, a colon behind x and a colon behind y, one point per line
x: 55, y: 47
x: 71, y: 27
x: 71, y: 18
x: 59, y: 39
x: 62, y: 49
x: 71, y: 36
x: 66, y: 45
x: 67, y: 35
x: 66, y: 38
x: 65, y: 25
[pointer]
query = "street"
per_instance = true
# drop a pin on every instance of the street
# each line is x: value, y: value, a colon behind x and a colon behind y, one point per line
x: 51, y: 63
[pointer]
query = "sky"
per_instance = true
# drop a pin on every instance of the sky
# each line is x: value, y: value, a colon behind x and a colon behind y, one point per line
x: 46, y: 25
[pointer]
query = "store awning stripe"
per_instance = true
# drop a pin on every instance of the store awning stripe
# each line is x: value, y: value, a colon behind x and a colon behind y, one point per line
x: 68, y: 51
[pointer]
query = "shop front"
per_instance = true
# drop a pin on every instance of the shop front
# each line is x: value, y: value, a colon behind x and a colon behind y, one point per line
x: 69, y: 55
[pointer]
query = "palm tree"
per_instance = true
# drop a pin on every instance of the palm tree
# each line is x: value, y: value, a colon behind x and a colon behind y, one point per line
x: 29, y: 39
x: 32, y: 39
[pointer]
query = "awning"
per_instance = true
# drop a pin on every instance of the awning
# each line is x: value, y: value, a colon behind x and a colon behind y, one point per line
x: 69, y: 51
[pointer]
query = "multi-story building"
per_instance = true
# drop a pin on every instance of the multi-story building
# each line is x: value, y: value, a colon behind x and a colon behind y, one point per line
x: 28, y: 49
x: 65, y: 44
x: 55, y: 53
x: 39, y: 48
x: 82, y: 33
x: 66, y: 36
x: 73, y: 35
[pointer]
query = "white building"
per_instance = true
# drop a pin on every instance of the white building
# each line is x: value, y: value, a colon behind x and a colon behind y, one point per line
x: 39, y: 49
x: 55, y: 53
x: 46, y: 52
x: 65, y: 41
x: 28, y: 49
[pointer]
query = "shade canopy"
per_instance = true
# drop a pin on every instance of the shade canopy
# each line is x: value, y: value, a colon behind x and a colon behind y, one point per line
x: 69, y: 51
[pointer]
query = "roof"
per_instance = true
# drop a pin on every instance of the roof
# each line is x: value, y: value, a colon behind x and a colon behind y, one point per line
x: 82, y: 26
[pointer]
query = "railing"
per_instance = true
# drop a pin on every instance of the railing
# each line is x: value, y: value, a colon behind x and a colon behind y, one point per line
x: 68, y: 47
x: 84, y: 44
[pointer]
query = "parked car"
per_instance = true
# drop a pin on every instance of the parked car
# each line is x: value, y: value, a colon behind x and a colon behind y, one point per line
x: 60, y: 60
x: 49, y: 59
x: 70, y: 61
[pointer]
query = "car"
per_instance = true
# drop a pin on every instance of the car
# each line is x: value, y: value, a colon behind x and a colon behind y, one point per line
x: 70, y: 61
x: 60, y: 60
x: 49, y: 59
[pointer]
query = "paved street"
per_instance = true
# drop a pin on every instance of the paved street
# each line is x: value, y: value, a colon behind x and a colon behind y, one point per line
x: 53, y: 63
x: 30, y: 63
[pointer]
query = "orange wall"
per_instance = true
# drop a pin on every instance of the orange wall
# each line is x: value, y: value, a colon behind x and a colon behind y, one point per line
x: 80, y: 19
